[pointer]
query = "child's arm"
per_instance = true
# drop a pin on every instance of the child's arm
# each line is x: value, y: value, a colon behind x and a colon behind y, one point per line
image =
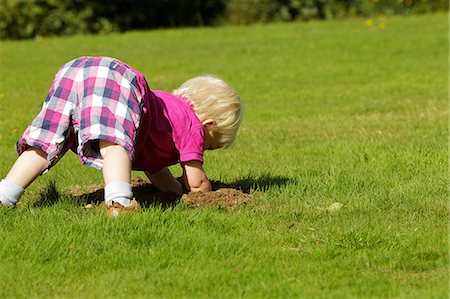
x: 195, y: 178
x: 164, y: 181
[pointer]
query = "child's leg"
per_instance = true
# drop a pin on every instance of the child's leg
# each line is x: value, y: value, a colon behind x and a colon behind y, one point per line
x: 116, y: 174
x: 30, y: 164
x: 47, y: 138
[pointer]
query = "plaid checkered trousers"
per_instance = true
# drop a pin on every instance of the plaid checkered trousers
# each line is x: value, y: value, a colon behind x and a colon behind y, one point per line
x: 91, y: 99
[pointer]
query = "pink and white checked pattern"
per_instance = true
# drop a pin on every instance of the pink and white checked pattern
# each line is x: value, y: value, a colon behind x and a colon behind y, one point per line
x: 91, y: 98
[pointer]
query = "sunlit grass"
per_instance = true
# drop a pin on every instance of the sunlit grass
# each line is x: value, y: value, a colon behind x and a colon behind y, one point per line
x: 338, y: 111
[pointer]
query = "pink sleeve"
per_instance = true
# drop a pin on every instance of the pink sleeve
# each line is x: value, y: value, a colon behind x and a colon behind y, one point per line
x: 190, y: 145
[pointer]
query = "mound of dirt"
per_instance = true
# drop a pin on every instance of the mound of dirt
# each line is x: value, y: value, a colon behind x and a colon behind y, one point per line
x: 224, y: 197
x: 146, y: 194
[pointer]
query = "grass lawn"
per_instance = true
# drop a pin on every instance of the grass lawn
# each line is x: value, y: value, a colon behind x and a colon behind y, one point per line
x: 349, y: 111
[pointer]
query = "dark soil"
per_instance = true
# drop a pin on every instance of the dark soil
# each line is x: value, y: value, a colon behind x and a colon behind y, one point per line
x: 223, y: 195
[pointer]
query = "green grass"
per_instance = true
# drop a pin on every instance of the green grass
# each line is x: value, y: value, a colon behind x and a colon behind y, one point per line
x: 336, y: 111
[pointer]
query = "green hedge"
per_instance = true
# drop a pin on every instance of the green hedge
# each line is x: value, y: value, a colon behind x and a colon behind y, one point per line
x: 30, y: 18
x: 257, y: 11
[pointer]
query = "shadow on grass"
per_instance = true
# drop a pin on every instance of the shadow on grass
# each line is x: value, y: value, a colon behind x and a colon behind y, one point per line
x: 261, y: 183
x: 148, y: 195
x: 49, y: 196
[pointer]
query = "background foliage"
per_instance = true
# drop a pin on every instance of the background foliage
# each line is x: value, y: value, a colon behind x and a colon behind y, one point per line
x: 250, y: 11
x: 31, y: 18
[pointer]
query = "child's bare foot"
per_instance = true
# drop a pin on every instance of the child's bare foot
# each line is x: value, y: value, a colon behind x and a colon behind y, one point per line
x: 116, y: 208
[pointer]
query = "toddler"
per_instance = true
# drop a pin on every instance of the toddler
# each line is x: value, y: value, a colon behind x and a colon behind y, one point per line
x: 104, y: 111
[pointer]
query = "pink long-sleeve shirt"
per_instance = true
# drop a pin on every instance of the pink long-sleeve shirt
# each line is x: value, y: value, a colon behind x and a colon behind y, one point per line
x: 170, y: 132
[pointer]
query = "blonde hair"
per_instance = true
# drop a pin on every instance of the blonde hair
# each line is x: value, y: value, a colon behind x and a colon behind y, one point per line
x: 212, y: 98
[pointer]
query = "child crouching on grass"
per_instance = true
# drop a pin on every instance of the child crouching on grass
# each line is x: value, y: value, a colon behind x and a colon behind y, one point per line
x: 105, y: 112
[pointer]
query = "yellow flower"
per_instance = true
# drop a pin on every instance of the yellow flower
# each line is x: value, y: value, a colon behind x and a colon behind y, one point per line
x: 369, y: 22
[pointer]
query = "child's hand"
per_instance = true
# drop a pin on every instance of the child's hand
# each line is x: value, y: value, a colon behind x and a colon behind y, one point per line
x: 165, y: 182
x: 195, y: 178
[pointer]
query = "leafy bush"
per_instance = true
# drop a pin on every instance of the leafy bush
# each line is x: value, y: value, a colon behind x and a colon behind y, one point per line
x: 31, y: 18
x: 250, y: 11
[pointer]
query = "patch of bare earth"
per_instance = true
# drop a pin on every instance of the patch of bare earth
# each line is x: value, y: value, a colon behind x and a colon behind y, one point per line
x: 223, y: 195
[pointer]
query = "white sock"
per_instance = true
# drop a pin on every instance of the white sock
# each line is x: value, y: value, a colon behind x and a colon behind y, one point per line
x: 119, y: 192
x: 10, y: 193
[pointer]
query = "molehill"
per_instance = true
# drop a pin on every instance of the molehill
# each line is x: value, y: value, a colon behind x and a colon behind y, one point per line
x: 222, y: 195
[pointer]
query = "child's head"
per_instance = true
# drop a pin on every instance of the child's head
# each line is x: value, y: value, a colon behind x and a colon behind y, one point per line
x: 214, y: 99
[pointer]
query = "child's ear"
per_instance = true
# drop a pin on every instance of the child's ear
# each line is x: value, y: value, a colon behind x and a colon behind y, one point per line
x: 209, y: 122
